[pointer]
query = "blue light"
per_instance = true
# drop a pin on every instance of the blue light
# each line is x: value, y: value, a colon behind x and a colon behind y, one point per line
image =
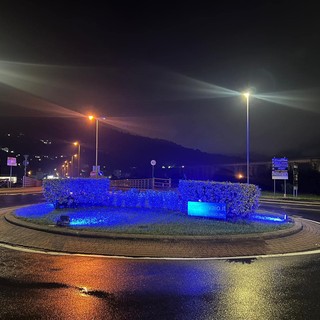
x: 37, y: 210
x: 270, y: 217
x: 207, y: 209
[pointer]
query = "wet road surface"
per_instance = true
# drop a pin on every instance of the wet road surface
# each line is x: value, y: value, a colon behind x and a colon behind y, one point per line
x: 20, y: 199
x: 37, y: 286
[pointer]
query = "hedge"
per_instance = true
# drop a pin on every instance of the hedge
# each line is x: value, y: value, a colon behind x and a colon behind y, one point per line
x: 151, y: 199
x: 241, y: 199
x: 68, y: 193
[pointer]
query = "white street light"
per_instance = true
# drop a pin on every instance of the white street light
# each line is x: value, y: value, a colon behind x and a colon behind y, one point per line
x: 247, y: 95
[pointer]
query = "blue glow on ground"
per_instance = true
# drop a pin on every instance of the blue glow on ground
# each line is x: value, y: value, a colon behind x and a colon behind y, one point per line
x: 37, y: 210
x: 269, y: 217
x: 118, y: 217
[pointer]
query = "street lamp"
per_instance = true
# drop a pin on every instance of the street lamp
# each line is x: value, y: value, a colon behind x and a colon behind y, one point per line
x: 78, y: 144
x: 97, y: 141
x: 66, y: 166
x: 247, y: 95
x: 72, y: 164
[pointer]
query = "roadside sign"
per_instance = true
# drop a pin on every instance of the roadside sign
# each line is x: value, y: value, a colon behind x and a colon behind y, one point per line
x: 280, y: 175
x: 11, y: 161
x: 280, y: 169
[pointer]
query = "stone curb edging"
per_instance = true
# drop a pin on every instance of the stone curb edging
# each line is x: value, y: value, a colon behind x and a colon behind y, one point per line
x: 297, y: 227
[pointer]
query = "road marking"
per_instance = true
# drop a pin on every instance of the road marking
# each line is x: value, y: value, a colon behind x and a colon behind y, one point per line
x: 56, y: 253
x: 304, y: 204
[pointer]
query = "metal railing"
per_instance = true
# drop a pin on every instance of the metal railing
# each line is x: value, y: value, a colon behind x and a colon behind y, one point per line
x: 141, y: 184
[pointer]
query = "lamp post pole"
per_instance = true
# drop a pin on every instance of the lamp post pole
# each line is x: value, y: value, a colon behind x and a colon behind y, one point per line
x: 79, y: 160
x: 72, y: 164
x: 97, y: 140
x: 247, y: 95
x: 78, y: 144
x: 97, y: 145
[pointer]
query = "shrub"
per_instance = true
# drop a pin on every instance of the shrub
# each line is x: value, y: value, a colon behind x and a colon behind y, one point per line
x: 151, y: 199
x: 68, y: 193
x: 241, y: 199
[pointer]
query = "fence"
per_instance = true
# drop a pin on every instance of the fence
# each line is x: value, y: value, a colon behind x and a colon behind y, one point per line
x: 31, y: 182
x: 141, y: 184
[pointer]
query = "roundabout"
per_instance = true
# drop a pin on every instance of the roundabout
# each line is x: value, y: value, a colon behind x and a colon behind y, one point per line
x: 304, y: 236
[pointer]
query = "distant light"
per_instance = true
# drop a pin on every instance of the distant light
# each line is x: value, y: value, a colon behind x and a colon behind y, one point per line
x: 163, y: 167
x: 247, y: 94
x: 91, y: 117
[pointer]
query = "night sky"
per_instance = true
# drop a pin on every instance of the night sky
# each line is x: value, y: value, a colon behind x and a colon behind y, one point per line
x: 169, y: 70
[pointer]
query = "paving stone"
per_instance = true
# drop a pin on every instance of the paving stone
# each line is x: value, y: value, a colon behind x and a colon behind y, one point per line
x: 306, y: 239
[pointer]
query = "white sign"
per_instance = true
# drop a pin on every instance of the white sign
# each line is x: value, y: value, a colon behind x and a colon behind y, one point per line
x: 280, y: 175
x: 11, y: 162
x: 153, y: 162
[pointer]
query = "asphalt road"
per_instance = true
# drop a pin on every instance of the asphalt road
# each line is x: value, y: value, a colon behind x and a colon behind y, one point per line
x: 38, y: 286
x: 307, y: 210
x: 20, y: 199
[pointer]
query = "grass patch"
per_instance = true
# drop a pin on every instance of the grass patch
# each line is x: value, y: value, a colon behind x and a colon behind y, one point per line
x: 143, y: 221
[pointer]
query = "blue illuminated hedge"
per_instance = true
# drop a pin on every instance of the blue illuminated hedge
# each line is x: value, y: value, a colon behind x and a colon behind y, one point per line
x: 241, y: 199
x: 149, y: 199
x: 68, y: 193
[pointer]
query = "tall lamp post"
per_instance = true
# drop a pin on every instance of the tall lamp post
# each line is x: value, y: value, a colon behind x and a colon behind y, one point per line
x: 78, y: 144
x: 97, y: 141
x: 72, y: 164
x: 247, y: 95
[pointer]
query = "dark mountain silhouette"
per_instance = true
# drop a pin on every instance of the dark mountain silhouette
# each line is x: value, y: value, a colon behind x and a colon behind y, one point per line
x: 117, y: 150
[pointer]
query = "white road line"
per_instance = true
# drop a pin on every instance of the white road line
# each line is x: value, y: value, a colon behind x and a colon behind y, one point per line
x: 55, y: 253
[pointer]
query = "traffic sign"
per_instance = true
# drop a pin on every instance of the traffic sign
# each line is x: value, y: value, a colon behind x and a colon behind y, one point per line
x: 280, y: 169
x: 11, y: 161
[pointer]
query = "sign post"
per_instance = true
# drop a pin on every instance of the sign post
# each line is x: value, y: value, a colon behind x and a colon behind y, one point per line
x: 295, y: 180
x: 153, y: 163
x: 11, y: 162
x: 280, y: 172
x: 25, y: 163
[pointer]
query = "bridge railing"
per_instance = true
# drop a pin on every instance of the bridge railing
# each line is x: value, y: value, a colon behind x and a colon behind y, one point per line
x: 141, y: 184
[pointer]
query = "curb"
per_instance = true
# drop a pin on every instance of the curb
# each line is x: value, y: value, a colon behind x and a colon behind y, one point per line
x: 297, y: 227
